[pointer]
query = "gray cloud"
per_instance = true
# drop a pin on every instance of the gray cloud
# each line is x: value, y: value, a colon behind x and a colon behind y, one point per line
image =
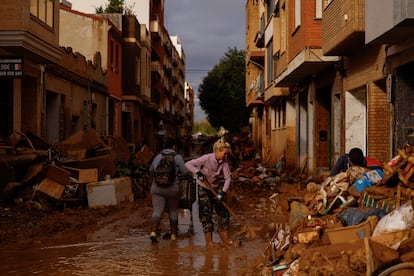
x: 207, y: 29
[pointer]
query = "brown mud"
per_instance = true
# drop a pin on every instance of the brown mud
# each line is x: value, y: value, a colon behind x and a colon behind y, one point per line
x: 123, y: 231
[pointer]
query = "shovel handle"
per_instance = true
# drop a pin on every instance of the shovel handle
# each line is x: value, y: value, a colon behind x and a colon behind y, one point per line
x: 234, y: 215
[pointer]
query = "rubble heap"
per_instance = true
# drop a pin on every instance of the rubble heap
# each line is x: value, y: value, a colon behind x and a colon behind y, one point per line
x: 36, y: 173
x: 359, y: 222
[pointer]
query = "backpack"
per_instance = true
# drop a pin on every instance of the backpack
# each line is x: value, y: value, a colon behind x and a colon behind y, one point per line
x: 165, y: 172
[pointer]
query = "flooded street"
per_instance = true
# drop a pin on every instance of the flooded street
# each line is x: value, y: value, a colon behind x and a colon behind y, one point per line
x: 123, y: 248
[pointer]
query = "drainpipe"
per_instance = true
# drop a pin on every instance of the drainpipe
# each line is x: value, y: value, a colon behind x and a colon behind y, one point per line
x: 107, y: 116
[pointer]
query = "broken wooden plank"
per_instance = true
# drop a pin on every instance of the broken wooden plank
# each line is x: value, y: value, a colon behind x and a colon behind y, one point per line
x: 83, y: 175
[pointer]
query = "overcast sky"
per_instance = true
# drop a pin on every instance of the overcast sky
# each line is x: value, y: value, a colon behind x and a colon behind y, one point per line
x: 207, y: 28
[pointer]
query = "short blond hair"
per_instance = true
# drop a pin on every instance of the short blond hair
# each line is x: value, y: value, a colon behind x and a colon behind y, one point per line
x: 221, y: 144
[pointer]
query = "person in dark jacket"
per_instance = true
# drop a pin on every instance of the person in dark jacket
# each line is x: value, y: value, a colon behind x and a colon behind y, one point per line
x: 166, y: 197
x: 355, y: 157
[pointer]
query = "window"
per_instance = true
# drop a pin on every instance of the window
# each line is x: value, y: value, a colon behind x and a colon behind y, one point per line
x: 273, y: 118
x: 262, y: 24
x: 138, y: 71
x: 43, y: 10
x: 282, y: 112
x: 279, y: 115
x: 297, y: 13
x: 318, y: 9
x: 111, y: 53
x: 116, y: 57
x: 148, y: 75
x: 269, y: 61
x: 284, y: 30
x: 270, y: 8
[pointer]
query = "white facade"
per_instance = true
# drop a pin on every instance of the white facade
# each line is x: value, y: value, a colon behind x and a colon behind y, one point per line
x: 141, y: 9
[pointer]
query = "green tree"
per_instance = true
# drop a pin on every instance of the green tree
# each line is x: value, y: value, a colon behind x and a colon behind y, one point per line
x: 113, y: 6
x: 222, y: 92
x: 204, y: 127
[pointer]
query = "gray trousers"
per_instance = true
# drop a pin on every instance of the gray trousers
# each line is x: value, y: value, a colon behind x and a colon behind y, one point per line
x: 165, y: 197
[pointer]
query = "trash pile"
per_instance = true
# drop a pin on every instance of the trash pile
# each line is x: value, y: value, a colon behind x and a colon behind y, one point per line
x: 44, y: 176
x: 359, y: 222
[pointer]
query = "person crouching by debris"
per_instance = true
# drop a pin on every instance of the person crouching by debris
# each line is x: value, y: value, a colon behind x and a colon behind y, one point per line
x: 165, y: 187
x: 355, y: 157
x: 208, y: 170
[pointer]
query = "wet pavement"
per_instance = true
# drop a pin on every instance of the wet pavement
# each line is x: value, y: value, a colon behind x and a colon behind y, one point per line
x: 123, y: 248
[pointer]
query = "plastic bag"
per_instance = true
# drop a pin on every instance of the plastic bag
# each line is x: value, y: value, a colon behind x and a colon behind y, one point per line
x: 368, y: 179
x: 398, y: 220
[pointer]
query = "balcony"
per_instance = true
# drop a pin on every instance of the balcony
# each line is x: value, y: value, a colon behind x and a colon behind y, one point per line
x: 254, y: 99
x: 155, y: 28
x: 30, y: 36
x: 167, y: 49
x: 174, y: 80
x: 273, y: 92
x: 256, y: 56
x: 307, y: 63
x: 145, y: 38
x: 156, y: 69
x: 256, y: 92
x: 343, y: 27
x: 389, y: 22
x: 168, y: 70
x: 259, y: 40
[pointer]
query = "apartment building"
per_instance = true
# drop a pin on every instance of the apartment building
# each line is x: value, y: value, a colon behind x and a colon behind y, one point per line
x: 391, y: 24
x: 63, y: 71
x: 167, y: 77
x: 98, y: 36
x: 255, y: 71
x: 334, y: 78
x: 361, y: 113
x: 29, y: 41
x: 75, y: 94
x: 136, y: 82
x: 145, y: 70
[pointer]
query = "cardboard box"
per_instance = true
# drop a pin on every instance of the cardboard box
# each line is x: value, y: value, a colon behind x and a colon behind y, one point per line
x: 109, y: 192
x: 55, y: 182
x: 83, y: 175
x: 394, y: 239
x: 308, y: 236
x: 51, y: 188
x: 58, y: 175
x: 351, y: 233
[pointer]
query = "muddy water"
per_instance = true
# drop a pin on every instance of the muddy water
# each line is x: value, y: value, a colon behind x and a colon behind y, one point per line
x: 124, y: 249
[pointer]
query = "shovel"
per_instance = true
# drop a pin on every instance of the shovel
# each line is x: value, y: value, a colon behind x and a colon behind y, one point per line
x: 250, y: 232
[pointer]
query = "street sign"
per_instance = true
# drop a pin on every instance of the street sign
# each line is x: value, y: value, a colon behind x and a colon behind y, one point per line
x: 11, y: 67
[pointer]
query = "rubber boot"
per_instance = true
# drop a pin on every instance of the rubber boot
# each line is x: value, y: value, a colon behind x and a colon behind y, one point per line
x: 153, y: 236
x: 209, y: 239
x: 224, y: 236
x: 174, y: 232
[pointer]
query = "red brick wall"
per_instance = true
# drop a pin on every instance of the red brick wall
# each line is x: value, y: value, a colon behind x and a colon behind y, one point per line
x: 309, y: 33
x: 378, y: 123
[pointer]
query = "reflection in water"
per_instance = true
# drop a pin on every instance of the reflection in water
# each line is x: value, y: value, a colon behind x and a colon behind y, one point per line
x: 133, y: 254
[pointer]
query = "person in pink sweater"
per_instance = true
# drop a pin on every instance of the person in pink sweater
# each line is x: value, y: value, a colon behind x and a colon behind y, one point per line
x: 212, y: 171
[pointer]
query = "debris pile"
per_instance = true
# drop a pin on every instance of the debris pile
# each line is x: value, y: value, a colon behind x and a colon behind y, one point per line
x: 359, y: 222
x: 36, y: 173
